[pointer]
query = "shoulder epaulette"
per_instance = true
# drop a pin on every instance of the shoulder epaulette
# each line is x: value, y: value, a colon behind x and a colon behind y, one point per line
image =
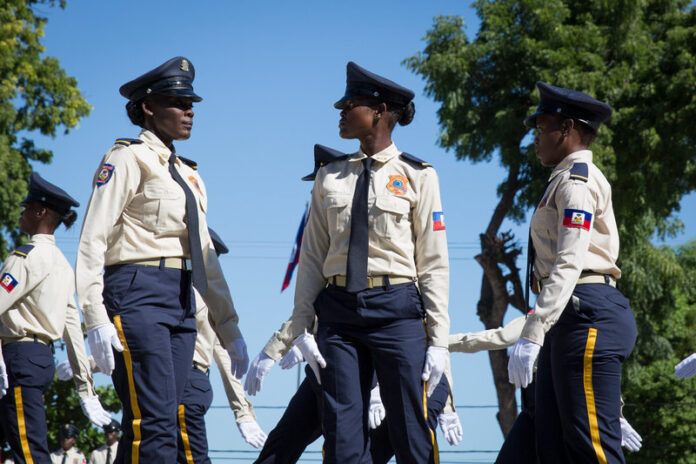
x: 127, y: 142
x: 23, y: 250
x: 417, y: 161
x: 579, y: 171
x: 338, y: 158
x: 188, y: 162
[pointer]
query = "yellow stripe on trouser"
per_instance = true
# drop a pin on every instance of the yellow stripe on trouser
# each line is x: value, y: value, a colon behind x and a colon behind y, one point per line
x: 22, y: 426
x: 436, y: 451
x: 131, y: 389
x: 184, y: 434
x: 589, y: 396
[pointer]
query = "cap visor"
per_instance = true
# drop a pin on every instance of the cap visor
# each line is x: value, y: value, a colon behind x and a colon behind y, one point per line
x: 310, y: 176
x: 530, y: 121
x: 181, y: 93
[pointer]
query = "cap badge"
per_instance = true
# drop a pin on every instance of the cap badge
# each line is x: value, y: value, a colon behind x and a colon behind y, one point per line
x: 397, y: 184
x: 184, y: 65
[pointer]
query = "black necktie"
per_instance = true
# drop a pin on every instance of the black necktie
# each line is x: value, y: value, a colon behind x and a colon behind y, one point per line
x: 65, y: 457
x: 108, y: 455
x: 356, y: 267
x: 200, y: 282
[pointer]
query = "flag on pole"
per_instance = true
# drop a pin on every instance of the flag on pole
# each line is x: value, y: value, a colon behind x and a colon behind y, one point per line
x: 295, y: 255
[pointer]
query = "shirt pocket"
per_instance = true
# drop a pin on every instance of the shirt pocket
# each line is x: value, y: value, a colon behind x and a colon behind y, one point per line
x: 164, y: 207
x: 338, y: 212
x: 391, y: 217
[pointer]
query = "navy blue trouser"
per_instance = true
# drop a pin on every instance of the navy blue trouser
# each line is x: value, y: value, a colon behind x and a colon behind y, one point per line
x: 193, y: 439
x: 520, y: 444
x: 376, y: 330
x: 22, y: 414
x: 578, y: 387
x: 153, y: 311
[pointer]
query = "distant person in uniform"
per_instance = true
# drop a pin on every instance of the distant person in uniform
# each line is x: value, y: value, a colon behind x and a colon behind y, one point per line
x: 144, y: 247
x: 106, y: 453
x: 582, y: 327
x: 37, y: 308
x: 68, y: 454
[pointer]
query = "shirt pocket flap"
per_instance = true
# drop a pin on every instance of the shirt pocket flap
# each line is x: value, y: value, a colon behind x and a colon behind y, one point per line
x: 393, y: 204
x: 337, y: 201
x: 162, y: 192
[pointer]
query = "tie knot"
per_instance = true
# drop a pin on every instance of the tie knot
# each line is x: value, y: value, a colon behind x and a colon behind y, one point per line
x: 367, y: 162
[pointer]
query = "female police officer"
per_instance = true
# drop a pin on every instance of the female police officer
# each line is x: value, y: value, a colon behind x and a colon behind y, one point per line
x: 146, y: 227
x: 375, y: 227
x: 584, y: 323
x: 37, y: 307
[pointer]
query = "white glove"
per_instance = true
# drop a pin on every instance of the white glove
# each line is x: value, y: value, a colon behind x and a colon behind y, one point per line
x: 451, y: 427
x: 101, y: 339
x: 521, y: 364
x: 310, y: 352
x: 375, y: 414
x: 238, y: 355
x: 64, y: 371
x: 629, y: 437
x: 435, y: 363
x: 291, y: 358
x: 686, y: 368
x: 94, y: 411
x: 252, y: 433
x: 257, y: 371
x: 4, y: 381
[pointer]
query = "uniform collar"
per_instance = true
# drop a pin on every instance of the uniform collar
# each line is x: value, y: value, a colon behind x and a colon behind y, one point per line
x: 582, y: 156
x: 155, y: 144
x: 382, y: 156
x: 43, y: 238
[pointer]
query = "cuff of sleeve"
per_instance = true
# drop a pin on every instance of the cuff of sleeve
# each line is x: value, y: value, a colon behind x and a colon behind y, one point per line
x: 244, y: 415
x: 439, y: 337
x: 95, y: 315
x: 85, y: 390
x: 228, y: 332
x: 533, y: 330
x: 275, y: 348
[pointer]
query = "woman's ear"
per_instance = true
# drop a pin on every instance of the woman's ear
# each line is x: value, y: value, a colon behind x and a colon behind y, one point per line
x: 566, y: 126
x: 145, y: 105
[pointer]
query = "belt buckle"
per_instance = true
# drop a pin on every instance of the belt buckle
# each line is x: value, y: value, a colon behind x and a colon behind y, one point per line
x: 370, y: 282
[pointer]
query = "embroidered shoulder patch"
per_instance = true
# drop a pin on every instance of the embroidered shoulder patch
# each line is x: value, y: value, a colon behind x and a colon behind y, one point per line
x: 577, y: 218
x: 397, y: 184
x: 8, y: 282
x: 194, y: 181
x: 438, y: 220
x: 105, y: 174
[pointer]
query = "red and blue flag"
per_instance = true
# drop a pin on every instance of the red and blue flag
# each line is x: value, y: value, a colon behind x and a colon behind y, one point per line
x: 8, y: 282
x: 295, y: 255
x: 438, y: 220
x: 577, y: 218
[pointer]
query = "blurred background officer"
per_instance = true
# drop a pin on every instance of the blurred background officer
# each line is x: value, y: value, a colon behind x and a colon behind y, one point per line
x: 37, y: 307
x: 145, y: 227
x: 68, y: 454
x: 584, y: 323
x: 376, y: 226
x: 198, y: 393
x: 106, y: 453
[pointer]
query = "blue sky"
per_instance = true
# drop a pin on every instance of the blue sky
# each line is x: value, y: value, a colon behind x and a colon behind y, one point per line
x: 269, y: 73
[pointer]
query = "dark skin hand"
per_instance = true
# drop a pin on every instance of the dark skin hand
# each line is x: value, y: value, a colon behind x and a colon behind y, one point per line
x: 37, y: 219
x: 169, y: 117
x: 368, y: 121
x: 556, y: 138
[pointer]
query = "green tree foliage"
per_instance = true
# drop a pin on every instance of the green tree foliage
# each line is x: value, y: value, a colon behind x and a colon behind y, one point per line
x: 36, y: 94
x: 640, y: 57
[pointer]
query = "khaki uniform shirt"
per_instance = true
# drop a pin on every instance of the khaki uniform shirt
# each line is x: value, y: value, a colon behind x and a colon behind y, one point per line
x: 406, y: 237
x: 208, y: 348
x: 98, y: 456
x: 37, y: 298
x: 74, y: 457
x: 573, y: 230
x: 486, y: 340
x: 137, y: 212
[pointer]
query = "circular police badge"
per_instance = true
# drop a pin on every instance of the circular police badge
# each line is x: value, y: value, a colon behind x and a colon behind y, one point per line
x: 397, y: 185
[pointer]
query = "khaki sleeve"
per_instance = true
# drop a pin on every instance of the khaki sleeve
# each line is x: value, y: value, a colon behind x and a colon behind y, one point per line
x: 77, y: 354
x: 486, y: 340
x: 221, y: 312
x: 571, y: 249
x: 240, y: 405
x: 432, y: 262
x: 104, y: 210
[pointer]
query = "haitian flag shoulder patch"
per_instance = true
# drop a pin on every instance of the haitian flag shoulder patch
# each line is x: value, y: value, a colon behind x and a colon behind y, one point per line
x: 438, y: 220
x: 577, y: 218
x: 8, y: 282
x: 105, y: 174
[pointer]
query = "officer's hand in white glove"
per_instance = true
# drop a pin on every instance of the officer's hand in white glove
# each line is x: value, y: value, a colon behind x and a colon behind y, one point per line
x: 252, y: 433
x: 238, y: 355
x: 94, y: 411
x: 521, y: 364
x: 257, y: 371
x: 310, y: 352
x: 291, y: 358
x: 375, y: 414
x: 102, y: 339
x: 64, y: 371
x: 435, y: 363
x: 451, y: 427
x: 629, y: 437
x: 4, y: 381
x: 687, y: 368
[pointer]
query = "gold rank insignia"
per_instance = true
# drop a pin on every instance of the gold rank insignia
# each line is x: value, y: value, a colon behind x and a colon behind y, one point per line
x: 184, y: 65
x: 397, y: 184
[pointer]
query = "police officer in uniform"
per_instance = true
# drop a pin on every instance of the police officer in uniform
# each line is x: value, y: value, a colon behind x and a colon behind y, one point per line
x: 37, y: 307
x: 145, y: 227
x: 584, y: 323
x: 68, y: 454
x: 376, y: 227
x: 106, y: 453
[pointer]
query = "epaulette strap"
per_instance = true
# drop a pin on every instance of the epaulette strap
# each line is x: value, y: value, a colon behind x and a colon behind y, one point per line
x: 127, y: 142
x: 23, y: 250
x: 579, y: 171
x: 338, y: 158
x: 415, y: 160
x: 188, y: 162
